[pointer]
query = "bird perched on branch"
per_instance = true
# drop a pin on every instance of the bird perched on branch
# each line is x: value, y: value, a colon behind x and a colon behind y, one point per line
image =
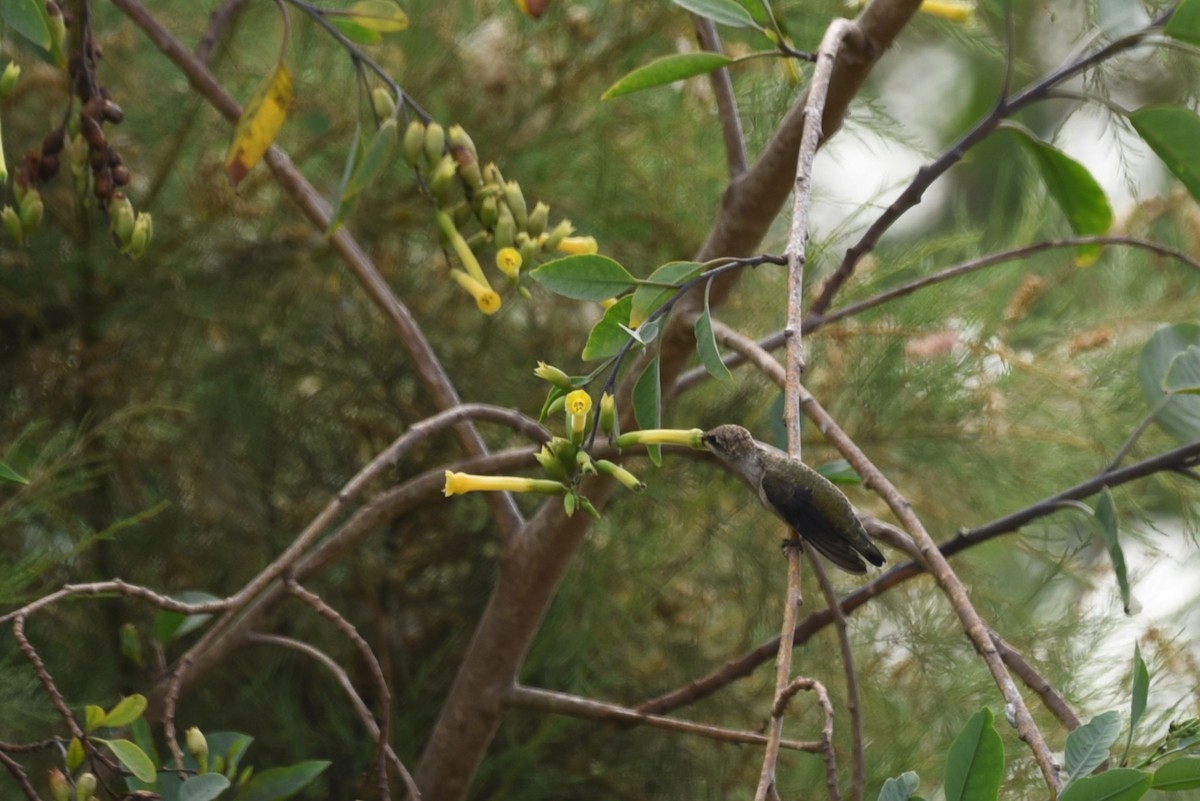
x: 798, y: 495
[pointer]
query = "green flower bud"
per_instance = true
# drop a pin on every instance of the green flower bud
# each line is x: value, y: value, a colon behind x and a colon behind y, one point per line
x: 457, y: 137
x: 608, y: 414
x: 442, y: 179
x: 197, y: 746
x: 585, y: 463
x: 505, y: 227
x: 527, y: 248
x: 139, y: 239
x: 414, y: 142
x: 492, y: 176
x: 548, y: 372
x: 489, y: 213
x: 468, y: 168
x: 549, y: 463
x: 564, y: 451
x: 538, y: 219
x: 435, y: 144
x: 85, y: 785
x: 384, y: 102
x: 120, y: 218
x: 516, y: 204
x: 12, y: 224
x: 8, y: 79
x: 627, y: 479
x: 558, y: 234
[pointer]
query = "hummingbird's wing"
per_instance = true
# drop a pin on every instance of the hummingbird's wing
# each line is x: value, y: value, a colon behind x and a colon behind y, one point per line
x: 797, y: 507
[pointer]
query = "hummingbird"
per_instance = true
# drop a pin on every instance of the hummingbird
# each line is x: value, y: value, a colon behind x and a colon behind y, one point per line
x: 798, y: 495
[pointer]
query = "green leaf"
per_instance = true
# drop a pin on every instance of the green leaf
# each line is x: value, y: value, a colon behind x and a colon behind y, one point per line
x: 144, y: 738
x: 608, y: 335
x: 1182, y: 774
x: 900, y: 788
x: 706, y: 343
x: 357, y: 33
x: 839, y: 471
x: 1106, y: 516
x: 1075, y: 192
x: 1088, y: 745
x: 1177, y: 414
x: 342, y: 208
x: 1183, y: 374
x: 131, y: 757
x: 75, y: 754
x: 278, y: 783
x: 667, y: 69
x: 723, y: 12
x: 1173, y: 133
x: 1122, y: 784
x: 8, y: 474
x: 1185, y: 22
x: 647, y: 405
x: 376, y: 15
x: 230, y: 744
x: 126, y: 711
x: 586, y: 277
x: 975, y: 761
x: 205, y: 787
x: 28, y: 18
x: 1140, y: 693
x: 93, y: 717
x: 170, y: 626
x: 647, y: 298
x: 376, y: 158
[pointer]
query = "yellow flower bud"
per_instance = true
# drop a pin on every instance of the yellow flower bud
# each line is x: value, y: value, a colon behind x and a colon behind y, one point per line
x: 692, y: 437
x: 578, y: 245
x: 485, y: 297
x: 140, y: 238
x: 383, y: 102
x: 85, y: 785
x: 508, y: 260
x: 12, y: 224
x: 440, y: 180
x: 538, y: 219
x: 557, y: 234
x: 515, y: 201
x: 952, y: 10
x: 457, y: 137
x: 489, y: 212
x: 197, y: 746
x: 505, y: 231
x: 120, y: 217
x: 32, y: 210
x: 60, y: 788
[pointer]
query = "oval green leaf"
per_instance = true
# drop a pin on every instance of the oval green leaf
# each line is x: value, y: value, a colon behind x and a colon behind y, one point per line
x: 27, y: 18
x: 648, y: 296
x: 1182, y: 774
x: 1141, y: 692
x: 274, y: 784
x: 586, y: 277
x: 1177, y: 414
x: 900, y: 788
x: 1185, y: 22
x: 647, y: 405
x: 1088, y: 745
x: 608, y: 335
x: 665, y: 70
x: 169, y: 626
x: 93, y: 717
x: 723, y: 12
x: 1106, y: 516
x: 1173, y: 133
x: 131, y: 757
x: 1122, y: 784
x: 1074, y: 191
x: 706, y: 347
x: 126, y: 711
x: 205, y: 787
x: 975, y: 761
x: 1183, y: 376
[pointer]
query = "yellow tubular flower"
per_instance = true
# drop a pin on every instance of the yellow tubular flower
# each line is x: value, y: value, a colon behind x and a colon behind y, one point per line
x: 508, y: 260
x: 459, y: 483
x: 578, y: 404
x: 952, y: 10
x: 690, y: 437
x: 548, y: 372
x: 578, y: 245
x: 608, y: 413
x: 485, y: 297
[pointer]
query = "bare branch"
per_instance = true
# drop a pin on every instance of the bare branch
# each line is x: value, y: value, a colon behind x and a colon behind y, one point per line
x: 727, y: 111
x: 589, y: 709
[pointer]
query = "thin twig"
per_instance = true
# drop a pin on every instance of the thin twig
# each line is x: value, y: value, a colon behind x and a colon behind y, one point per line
x: 218, y: 21
x: 1051, y: 698
x: 853, y: 698
x: 590, y: 709
x: 804, y: 683
x: 727, y: 110
x: 343, y: 680
x: 19, y: 776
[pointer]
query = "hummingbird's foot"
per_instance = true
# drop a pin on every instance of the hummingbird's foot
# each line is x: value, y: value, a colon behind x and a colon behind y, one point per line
x: 789, y: 544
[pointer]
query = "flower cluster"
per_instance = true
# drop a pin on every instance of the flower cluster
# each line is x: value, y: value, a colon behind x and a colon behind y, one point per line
x: 467, y: 194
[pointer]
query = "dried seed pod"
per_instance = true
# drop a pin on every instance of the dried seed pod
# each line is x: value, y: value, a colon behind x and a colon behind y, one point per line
x: 92, y: 133
x: 120, y: 175
x: 112, y: 112
x: 48, y: 167
x: 103, y: 186
x: 52, y: 145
